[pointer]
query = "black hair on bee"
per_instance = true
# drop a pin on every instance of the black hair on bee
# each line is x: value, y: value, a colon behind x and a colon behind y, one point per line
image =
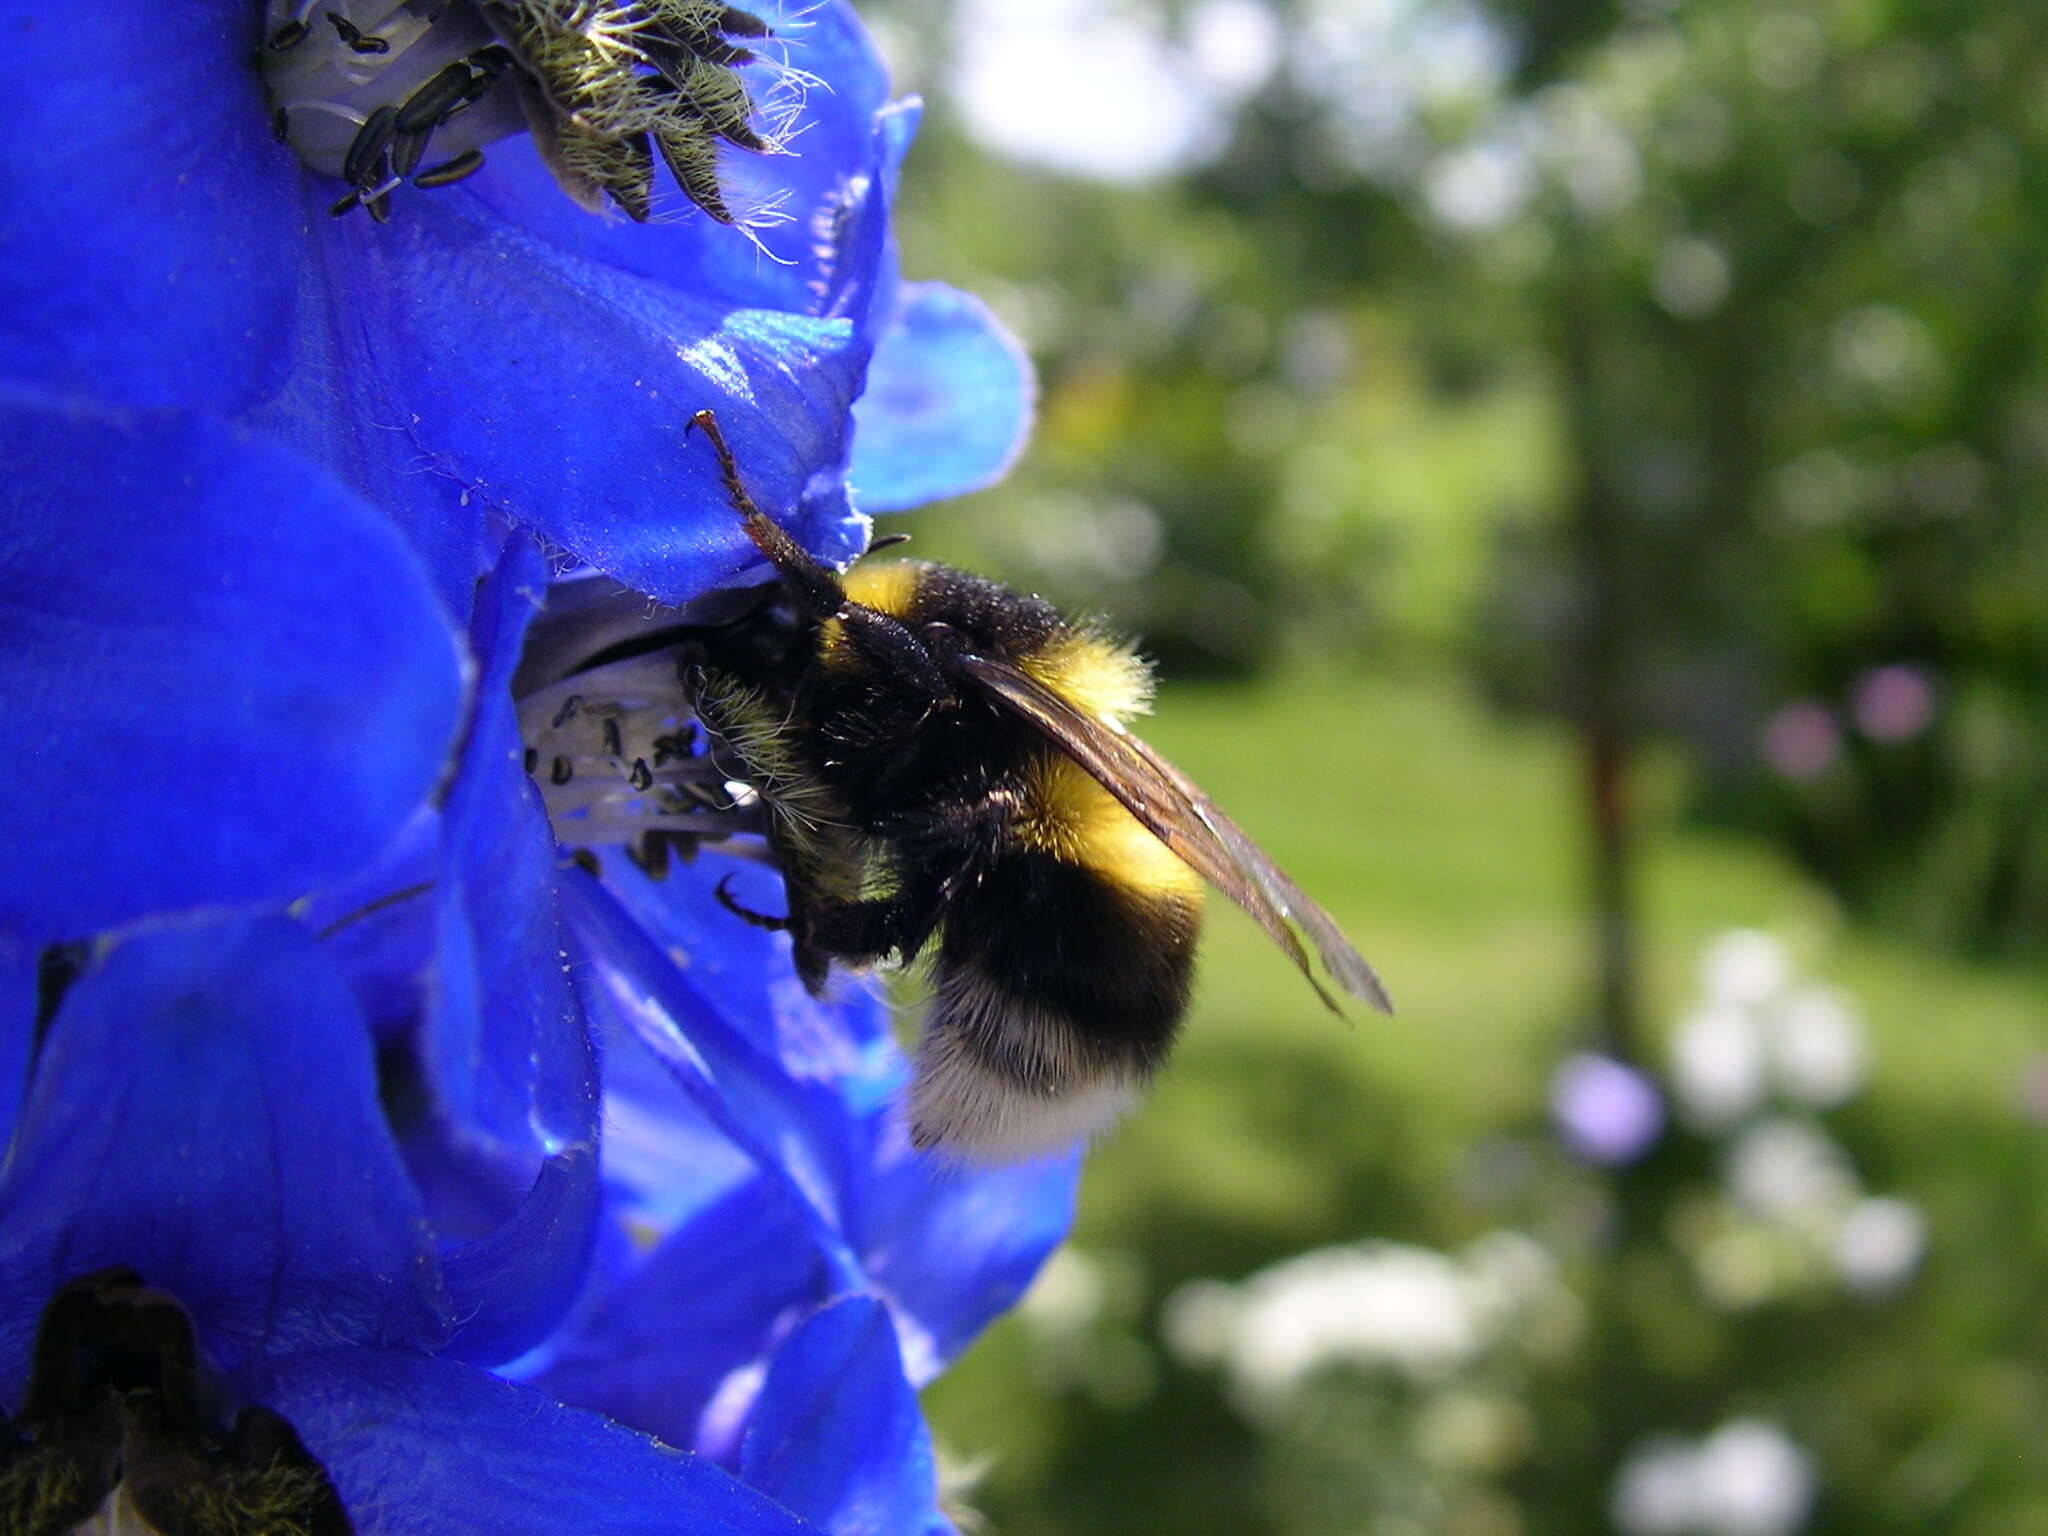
x: 945, y: 767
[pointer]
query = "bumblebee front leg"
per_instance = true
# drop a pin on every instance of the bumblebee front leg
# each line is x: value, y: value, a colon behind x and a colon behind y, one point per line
x: 815, y: 582
x: 898, y: 657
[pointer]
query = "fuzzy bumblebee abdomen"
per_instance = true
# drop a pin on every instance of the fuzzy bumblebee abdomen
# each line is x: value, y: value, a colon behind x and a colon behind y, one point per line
x: 1061, y: 978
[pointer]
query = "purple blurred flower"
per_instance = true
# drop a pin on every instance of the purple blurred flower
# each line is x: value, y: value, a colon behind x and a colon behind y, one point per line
x: 1894, y: 703
x: 1802, y: 741
x: 1606, y: 1112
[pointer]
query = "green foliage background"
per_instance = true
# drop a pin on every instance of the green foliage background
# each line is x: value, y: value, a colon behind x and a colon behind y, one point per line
x: 1414, y: 510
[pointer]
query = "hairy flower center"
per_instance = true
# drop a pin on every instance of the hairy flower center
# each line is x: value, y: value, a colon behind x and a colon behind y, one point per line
x: 112, y: 1439
x: 385, y: 93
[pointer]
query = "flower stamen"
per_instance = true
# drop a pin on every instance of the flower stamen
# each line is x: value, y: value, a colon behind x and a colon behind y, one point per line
x: 607, y: 88
x: 619, y: 761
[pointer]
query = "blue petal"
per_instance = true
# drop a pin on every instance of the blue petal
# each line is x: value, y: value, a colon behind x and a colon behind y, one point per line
x: 705, y: 1024
x: 559, y: 390
x: 332, y: 407
x: 750, y: 972
x: 836, y: 1434
x: 953, y: 1247
x: 151, y: 248
x: 377, y: 925
x: 510, y: 1288
x: 421, y: 1447
x: 948, y: 404
x: 250, y: 653
x: 672, y: 1347
x: 205, y: 1110
x: 833, y: 165
x: 505, y: 1046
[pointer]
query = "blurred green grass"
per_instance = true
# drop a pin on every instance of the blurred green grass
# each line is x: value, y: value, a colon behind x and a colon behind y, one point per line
x: 1443, y: 840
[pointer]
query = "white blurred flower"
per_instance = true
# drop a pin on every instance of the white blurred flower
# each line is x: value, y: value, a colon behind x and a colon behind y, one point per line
x: 1654, y: 1492
x: 1788, y: 1171
x: 1747, y: 1478
x: 1068, y: 1294
x: 1753, y: 1480
x: 1818, y: 1046
x: 1745, y: 967
x: 1379, y: 1304
x: 1415, y: 1312
x: 1509, y: 1274
x: 1880, y: 1245
x: 1691, y: 277
x: 1200, y: 1320
x: 1479, y: 186
x: 1719, y: 1065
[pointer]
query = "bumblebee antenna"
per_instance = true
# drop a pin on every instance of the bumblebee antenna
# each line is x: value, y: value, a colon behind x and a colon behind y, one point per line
x: 817, y: 584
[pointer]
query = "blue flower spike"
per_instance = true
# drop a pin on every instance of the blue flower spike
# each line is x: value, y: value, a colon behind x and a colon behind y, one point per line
x: 368, y: 1166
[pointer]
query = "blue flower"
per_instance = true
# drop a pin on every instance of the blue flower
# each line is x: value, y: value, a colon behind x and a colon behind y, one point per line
x: 347, y: 1037
x: 757, y: 1173
x: 245, y: 1172
x: 493, y: 351
x: 360, y: 1149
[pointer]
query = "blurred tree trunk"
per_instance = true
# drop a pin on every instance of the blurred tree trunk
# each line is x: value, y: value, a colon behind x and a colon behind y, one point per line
x: 1600, y: 668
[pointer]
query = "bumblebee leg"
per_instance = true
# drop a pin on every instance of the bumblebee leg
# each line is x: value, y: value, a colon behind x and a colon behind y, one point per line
x: 816, y: 583
x: 731, y: 903
x: 900, y: 660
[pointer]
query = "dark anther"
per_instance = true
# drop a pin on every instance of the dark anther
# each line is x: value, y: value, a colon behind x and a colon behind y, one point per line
x: 379, y: 207
x: 650, y: 852
x: 489, y: 63
x: 642, y: 777
x: 586, y: 861
x: 367, y: 145
x: 433, y: 103
x: 569, y: 707
x: 287, y: 37
x: 532, y: 759
x: 281, y: 125
x: 407, y: 149
x: 747, y: 914
x: 347, y: 205
x: 614, y: 739
x: 448, y: 172
x: 560, y: 772
x: 358, y: 40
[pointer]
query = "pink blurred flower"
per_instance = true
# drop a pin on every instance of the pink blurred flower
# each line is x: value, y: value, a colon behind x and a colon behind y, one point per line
x: 1802, y: 740
x: 1894, y: 703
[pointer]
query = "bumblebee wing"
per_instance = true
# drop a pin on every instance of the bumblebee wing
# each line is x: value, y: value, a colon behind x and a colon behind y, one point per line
x: 1345, y: 963
x: 1169, y: 806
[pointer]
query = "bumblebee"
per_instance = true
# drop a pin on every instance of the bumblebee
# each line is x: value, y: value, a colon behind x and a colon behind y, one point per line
x: 939, y: 765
